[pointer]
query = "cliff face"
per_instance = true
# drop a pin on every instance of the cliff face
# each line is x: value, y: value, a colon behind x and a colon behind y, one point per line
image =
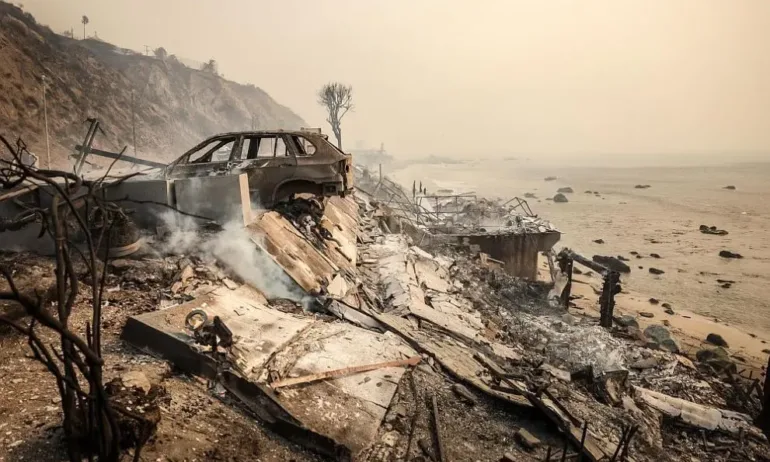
x: 174, y: 106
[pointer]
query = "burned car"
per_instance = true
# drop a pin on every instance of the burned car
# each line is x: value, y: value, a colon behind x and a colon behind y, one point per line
x: 277, y: 163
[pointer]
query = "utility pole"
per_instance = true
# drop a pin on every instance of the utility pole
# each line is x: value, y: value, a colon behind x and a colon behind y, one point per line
x: 45, y: 115
x: 133, y: 120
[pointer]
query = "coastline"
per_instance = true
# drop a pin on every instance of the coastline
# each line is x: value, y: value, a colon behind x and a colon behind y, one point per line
x: 688, y: 329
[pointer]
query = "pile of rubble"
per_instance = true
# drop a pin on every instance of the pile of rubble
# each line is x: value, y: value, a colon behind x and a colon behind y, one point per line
x: 584, y: 372
x: 424, y: 352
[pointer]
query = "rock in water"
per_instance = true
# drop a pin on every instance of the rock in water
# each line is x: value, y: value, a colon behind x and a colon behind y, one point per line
x: 565, y: 190
x: 728, y: 254
x: 654, y: 301
x: 716, y: 339
x: 642, y: 186
x: 655, y: 255
x: 730, y: 187
x: 599, y: 241
x: 656, y: 271
x: 561, y: 198
x: 550, y: 178
x: 646, y: 314
x: 612, y: 263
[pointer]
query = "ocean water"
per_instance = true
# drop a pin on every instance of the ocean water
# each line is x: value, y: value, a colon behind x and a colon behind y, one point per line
x: 662, y: 219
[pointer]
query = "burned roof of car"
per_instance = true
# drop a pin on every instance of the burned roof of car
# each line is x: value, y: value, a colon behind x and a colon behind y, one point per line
x: 268, y: 133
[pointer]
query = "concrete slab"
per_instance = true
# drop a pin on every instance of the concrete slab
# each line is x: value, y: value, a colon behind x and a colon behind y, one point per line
x: 269, y: 344
x: 348, y: 409
x: 259, y: 331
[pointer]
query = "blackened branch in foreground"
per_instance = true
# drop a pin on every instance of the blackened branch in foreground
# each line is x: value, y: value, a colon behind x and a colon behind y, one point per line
x: 91, y: 419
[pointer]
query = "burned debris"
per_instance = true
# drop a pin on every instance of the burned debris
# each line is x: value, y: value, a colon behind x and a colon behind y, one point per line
x: 383, y: 326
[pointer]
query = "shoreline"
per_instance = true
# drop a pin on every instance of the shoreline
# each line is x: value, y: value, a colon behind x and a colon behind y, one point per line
x: 688, y: 329
x: 664, y: 219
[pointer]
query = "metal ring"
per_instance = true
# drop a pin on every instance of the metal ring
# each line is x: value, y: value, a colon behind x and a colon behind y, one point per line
x: 188, y: 319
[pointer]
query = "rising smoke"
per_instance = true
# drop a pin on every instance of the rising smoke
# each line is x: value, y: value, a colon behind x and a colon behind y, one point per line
x: 236, y: 249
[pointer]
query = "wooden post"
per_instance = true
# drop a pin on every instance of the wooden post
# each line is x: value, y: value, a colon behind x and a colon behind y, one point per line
x: 607, y: 299
x: 763, y: 420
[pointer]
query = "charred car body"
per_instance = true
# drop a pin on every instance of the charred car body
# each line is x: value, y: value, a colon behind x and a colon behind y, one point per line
x: 222, y: 178
x: 278, y: 163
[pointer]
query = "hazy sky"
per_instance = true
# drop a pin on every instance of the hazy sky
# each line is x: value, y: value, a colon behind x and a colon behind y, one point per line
x: 481, y: 77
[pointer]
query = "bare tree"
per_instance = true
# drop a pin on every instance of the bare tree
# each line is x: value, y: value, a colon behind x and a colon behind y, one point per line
x: 84, y: 21
x: 337, y: 99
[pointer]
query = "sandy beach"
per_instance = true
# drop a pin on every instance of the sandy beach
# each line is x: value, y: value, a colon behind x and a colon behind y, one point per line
x: 663, y: 219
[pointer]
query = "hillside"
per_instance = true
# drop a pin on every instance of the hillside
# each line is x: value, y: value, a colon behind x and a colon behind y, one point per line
x: 175, y: 106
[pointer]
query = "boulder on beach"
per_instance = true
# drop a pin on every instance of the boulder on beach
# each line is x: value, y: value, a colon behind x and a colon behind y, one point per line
x: 655, y: 255
x: 654, y: 301
x: 717, y: 358
x: 730, y: 187
x: 529, y: 195
x: 728, y: 254
x: 626, y: 321
x: 565, y: 190
x: 716, y: 339
x: 646, y: 314
x: 634, y: 252
x: 561, y: 198
x: 622, y: 258
x: 661, y: 337
x: 599, y: 241
x: 612, y: 263
x: 655, y: 271
x: 550, y: 178
x: 642, y: 186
